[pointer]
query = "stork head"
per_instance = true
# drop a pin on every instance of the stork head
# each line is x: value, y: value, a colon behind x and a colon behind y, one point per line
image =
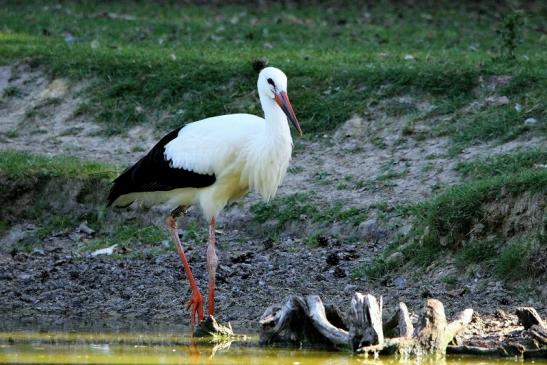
x: 272, y: 83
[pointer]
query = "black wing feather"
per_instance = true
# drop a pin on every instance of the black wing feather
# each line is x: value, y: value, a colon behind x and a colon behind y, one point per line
x: 154, y: 173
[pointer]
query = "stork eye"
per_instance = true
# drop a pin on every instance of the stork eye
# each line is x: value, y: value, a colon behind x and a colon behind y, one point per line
x: 270, y: 81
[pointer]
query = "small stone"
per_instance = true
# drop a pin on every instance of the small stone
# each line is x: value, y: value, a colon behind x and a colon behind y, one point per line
x: 24, y: 277
x: 504, y: 301
x: 323, y: 241
x: 456, y: 292
x: 268, y: 244
x: 319, y: 277
x: 371, y: 230
x: 38, y: 251
x: 399, y: 282
x: 332, y: 259
x: 226, y: 270
x: 503, y: 100
x: 104, y: 251
x: 242, y: 258
x: 350, y: 289
x: 69, y: 38
x: 84, y: 228
x: 500, y: 314
x: 530, y: 121
x: 495, y: 100
x: 518, y: 107
x: 395, y: 258
x: 409, y: 57
x: 339, y: 272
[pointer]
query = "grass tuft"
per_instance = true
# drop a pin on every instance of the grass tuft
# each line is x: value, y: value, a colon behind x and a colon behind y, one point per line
x: 451, y: 215
x: 17, y: 164
x: 129, y: 236
x: 503, y: 164
x: 298, y: 206
x: 444, y: 224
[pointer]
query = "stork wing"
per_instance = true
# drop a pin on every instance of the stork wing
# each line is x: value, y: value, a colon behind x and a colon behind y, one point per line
x: 209, y: 145
x: 154, y: 173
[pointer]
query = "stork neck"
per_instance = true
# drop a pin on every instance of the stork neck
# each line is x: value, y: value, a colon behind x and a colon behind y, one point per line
x: 276, y: 120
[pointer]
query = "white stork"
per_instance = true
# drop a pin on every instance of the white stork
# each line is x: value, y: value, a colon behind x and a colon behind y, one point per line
x: 210, y: 163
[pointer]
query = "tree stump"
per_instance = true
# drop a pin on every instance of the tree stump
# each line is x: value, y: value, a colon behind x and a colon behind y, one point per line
x: 400, y: 324
x: 365, y: 321
x: 302, y: 321
x: 529, y: 317
x: 307, y: 322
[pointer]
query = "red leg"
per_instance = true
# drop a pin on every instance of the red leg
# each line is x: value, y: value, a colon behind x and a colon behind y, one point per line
x: 212, y: 263
x: 195, y: 304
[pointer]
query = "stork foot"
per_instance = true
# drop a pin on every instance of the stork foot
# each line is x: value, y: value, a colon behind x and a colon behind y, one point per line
x: 195, y: 305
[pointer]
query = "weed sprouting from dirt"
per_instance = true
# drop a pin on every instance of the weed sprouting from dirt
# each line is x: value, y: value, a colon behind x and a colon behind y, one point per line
x: 510, y: 34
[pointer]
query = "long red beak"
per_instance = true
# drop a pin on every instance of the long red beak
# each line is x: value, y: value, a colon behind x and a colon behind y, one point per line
x: 282, y: 99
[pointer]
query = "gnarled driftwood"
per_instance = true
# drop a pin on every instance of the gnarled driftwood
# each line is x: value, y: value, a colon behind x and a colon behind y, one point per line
x: 365, y: 321
x: 400, y: 324
x: 306, y: 321
x: 303, y: 320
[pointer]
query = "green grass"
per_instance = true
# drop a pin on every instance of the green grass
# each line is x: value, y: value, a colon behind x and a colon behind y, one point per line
x: 171, y: 64
x: 502, y: 164
x: 298, y: 206
x: 495, y: 123
x: 381, y: 266
x: 48, y: 182
x: 56, y: 224
x: 523, y: 258
x: 51, y: 216
x: 15, y: 164
x: 519, y: 259
x: 443, y: 224
x: 11, y: 91
x: 4, y: 227
x: 452, y: 213
x: 476, y: 252
x: 129, y: 236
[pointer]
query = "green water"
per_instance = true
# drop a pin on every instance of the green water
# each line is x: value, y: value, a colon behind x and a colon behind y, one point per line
x: 28, y: 347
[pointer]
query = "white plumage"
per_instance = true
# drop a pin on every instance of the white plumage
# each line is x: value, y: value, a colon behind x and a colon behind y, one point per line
x: 243, y: 151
